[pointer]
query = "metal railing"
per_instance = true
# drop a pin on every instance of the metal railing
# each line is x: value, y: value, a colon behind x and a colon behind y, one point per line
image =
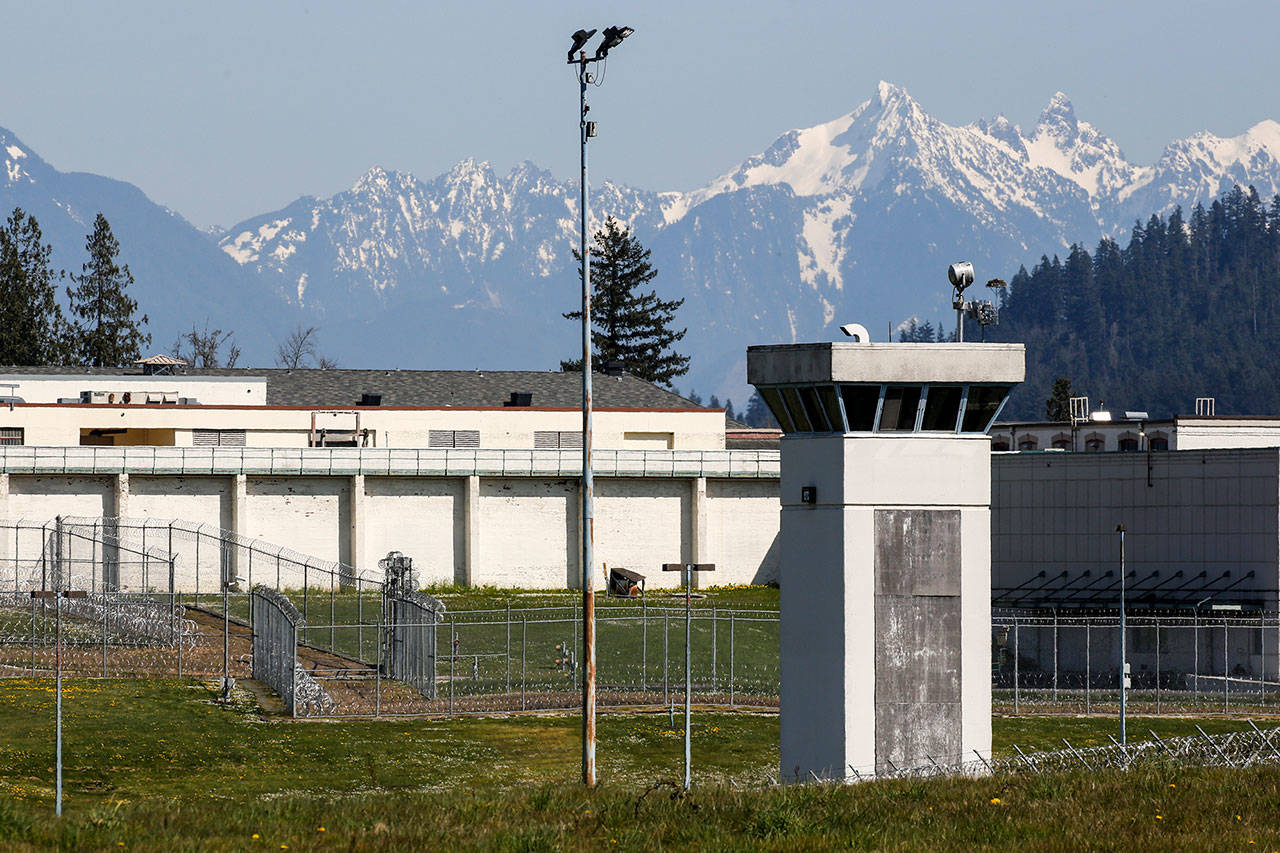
x: 408, y: 461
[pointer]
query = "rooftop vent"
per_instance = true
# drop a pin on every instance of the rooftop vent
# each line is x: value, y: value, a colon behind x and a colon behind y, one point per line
x: 367, y: 399
x: 613, y: 367
x: 520, y: 398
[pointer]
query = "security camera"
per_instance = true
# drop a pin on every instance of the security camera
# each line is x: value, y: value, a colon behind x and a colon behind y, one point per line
x: 960, y: 275
x: 857, y: 331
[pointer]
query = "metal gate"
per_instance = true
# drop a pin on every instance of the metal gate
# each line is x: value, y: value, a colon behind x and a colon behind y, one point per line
x: 409, y: 652
x: 275, y: 643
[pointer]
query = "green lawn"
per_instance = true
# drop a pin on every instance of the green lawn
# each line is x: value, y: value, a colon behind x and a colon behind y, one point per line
x: 157, y: 765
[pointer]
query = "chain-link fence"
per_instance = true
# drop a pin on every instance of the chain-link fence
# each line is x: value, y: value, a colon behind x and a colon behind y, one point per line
x: 1202, y: 660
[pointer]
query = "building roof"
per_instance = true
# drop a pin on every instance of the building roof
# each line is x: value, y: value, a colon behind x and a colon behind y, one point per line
x: 428, y: 388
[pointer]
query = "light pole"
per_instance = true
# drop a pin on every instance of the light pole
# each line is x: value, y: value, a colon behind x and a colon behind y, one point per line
x: 611, y: 38
x: 1124, y: 658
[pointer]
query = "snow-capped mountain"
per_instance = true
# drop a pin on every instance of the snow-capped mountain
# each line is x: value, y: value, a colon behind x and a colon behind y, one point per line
x: 180, y: 277
x: 852, y: 219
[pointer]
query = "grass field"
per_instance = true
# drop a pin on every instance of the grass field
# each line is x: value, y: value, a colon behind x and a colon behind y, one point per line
x: 157, y: 765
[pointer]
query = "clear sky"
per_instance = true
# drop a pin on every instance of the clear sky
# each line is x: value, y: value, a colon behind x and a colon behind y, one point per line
x: 227, y: 109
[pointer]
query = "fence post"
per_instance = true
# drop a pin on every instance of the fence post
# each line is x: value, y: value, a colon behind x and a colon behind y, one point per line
x: 1157, y: 666
x: 1015, y: 666
x: 180, y: 613
x: 524, y: 644
x: 104, y: 635
x: 1055, y: 656
x: 197, y: 566
x: 713, y: 648
x: 1088, y: 698
x: 508, y: 687
x: 1262, y: 656
x: 453, y: 660
x: 644, y: 641
x: 377, y: 683
x: 332, y: 610
x: 666, y: 658
x: 1195, y: 655
x: 293, y: 672
x: 1226, y: 669
x: 731, y: 649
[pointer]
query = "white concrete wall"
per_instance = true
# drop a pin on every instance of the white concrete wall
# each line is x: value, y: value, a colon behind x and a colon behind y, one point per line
x: 43, y: 498
x: 641, y: 524
x: 522, y: 530
x: 422, y: 518
x: 528, y: 533
x: 307, y: 514
x: 743, y: 528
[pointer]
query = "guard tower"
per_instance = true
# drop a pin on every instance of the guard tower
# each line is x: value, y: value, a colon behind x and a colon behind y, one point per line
x: 886, y: 549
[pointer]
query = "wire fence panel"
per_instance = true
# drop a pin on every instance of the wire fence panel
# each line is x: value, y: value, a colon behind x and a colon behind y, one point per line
x: 275, y: 644
x: 1222, y: 661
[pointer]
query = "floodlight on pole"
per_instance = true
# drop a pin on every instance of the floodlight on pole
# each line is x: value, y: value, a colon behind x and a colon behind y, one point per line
x: 580, y: 38
x: 613, y: 36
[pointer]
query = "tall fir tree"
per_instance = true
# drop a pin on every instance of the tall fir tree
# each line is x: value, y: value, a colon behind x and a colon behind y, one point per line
x: 629, y: 325
x: 33, y: 330
x: 107, y: 332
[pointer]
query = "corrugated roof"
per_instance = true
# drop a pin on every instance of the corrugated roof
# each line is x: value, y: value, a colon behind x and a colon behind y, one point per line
x: 464, y: 388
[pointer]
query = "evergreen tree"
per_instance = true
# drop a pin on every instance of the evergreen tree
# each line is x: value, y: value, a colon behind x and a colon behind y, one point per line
x: 1188, y: 308
x: 107, y: 334
x: 728, y: 410
x: 33, y: 330
x: 629, y: 325
x: 1058, y: 406
x: 757, y: 413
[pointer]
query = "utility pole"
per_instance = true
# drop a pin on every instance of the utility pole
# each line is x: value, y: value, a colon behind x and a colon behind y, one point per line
x: 612, y: 37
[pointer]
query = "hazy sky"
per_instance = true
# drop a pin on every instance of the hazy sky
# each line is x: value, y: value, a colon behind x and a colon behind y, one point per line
x: 227, y: 109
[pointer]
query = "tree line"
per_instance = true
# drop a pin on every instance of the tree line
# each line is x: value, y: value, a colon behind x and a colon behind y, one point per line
x: 1189, y: 308
x: 100, y: 327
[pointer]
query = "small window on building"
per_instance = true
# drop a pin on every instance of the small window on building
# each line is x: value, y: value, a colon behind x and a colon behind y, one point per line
x: 1158, y: 441
x: 218, y: 437
x: 1028, y: 442
x: 773, y: 399
x: 981, y: 406
x: 813, y: 410
x: 1062, y: 441
x: 1000, y: 442
x: 941, y: 408
x: 1128, y: 442
x: 860, y: 403
x: 791, y: 397
x: 1094, y: 443
x: 550, y: 439
x: 453, y: 438
x: 900, y: 405
x: 12, y: 435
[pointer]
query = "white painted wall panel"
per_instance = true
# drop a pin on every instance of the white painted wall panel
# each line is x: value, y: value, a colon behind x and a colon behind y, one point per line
x: 641, y: 524
x: 40, y: 499
x: 743, y: 528
x: 418, y: 516
x: 528, y: 533
x: 308, y: 514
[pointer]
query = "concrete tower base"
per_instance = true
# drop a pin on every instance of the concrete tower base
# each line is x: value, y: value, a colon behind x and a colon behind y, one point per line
x: 886, y: 591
